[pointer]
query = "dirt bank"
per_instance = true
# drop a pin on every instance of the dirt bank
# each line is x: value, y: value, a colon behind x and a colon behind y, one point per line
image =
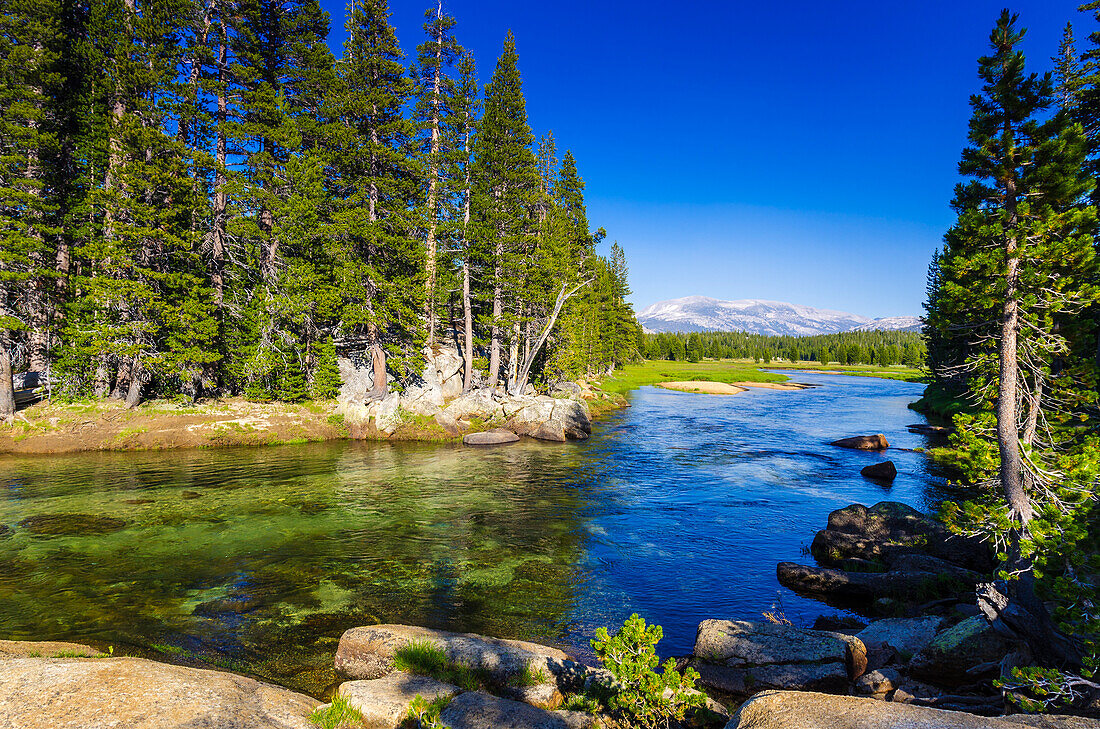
x: 108, y: 425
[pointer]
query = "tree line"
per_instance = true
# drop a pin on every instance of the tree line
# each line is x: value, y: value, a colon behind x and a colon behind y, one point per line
x: 197, y: 198
x: 883, y: 348
x: 1012, y: 327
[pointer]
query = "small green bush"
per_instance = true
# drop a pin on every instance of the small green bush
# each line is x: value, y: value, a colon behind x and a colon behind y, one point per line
x: 646, y: 698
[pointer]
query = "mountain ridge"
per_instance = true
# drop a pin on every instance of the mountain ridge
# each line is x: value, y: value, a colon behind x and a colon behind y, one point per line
x: 760, y: 316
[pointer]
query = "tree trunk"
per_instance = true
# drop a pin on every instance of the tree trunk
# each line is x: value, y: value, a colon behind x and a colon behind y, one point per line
x: 468, y: 321
x: 433, y: 184
x: 220, y: 200
x: 494, y: 330
x: 7, y: 386
x: 467, y: 305
x: 1008, y: 436
x: 138, y: 378
x: 102, y: 382
x: 525, y: 371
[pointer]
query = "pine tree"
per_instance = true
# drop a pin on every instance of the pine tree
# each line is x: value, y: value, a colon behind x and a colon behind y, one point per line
x: 375, y: 181
x: 505, y: 187
x: 461, y: 127
x: 435, y: 92
x: 1022, y: 265
x: 28, y: 143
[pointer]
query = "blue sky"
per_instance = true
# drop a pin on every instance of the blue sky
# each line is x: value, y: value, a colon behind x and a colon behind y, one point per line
x: 797, y: 151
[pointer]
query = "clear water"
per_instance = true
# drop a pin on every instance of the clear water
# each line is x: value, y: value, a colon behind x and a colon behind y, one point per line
x: 677, y: 508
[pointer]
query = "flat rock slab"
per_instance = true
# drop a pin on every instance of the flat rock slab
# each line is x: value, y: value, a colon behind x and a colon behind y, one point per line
x: 10, y: 649
x: 499, y: 436
x: 805, y: 710
x: 93, y: 693
x: 876, y: 442
x: 740, y: 643
x: 384, y: 702
x: 476, y: 710
x: 905, y: 635
x: 367, y: 653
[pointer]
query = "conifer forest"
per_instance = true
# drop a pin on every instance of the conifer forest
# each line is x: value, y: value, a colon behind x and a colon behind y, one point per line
x: 199, y: 199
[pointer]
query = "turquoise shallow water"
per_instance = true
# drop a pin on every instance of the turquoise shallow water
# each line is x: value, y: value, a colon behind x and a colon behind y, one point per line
x: 677, y: 508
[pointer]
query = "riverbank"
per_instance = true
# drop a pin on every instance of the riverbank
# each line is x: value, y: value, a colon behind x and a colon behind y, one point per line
x: 108, y: 425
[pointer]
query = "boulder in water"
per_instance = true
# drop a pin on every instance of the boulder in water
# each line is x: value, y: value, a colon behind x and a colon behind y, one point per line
x: 875, y: 442
x: 885, y: 471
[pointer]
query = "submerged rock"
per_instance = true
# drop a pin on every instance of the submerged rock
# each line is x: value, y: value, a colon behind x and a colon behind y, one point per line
x: 498, y: 436
x: 876, y: 442
x: 10, y: 649
x: 71, y: 525
x: 6, y: 531
x: 384, y: 702
x: 42, y: 693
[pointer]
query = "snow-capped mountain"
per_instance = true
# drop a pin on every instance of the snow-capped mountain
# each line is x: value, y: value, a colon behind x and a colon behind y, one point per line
x: 704, y: 314
x: 892, y: 324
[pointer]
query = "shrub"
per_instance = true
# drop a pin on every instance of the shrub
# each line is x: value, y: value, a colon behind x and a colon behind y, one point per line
x: 646, y: 698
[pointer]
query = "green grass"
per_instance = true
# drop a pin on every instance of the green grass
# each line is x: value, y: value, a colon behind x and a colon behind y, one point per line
x: 528, y: 676
x: 426, y: 658
x: 424, y: 713
x: 337, y: 715
x: 650, y: 372
x: 581, y: 702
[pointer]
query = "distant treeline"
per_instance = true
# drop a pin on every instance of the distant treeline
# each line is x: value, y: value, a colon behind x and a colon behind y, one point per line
x: 878, y: 347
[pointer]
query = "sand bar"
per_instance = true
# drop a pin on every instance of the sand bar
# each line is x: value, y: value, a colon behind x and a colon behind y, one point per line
x: 772, y: 385
x: 703, y: 386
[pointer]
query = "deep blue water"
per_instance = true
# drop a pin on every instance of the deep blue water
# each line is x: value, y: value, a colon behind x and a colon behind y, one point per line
x: 678, y: 508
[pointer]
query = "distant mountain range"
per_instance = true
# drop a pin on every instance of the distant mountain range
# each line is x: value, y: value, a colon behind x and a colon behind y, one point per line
x: 704, y: 314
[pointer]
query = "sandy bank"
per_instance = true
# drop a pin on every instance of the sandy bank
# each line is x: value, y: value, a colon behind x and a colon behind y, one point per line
x: 703, y: 386
x: 786, y: 386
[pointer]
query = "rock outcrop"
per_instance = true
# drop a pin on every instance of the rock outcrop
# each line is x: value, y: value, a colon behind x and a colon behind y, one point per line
x: 804, y: 710
x: 740, y: 657
x: 93, y: 693
x: 889, y: 530
x: 439, y: 396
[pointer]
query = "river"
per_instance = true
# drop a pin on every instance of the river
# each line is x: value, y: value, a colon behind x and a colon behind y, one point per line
x: 678, y: 508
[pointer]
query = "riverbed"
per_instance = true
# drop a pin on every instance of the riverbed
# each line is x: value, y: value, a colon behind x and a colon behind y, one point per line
x: 256, y: 559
